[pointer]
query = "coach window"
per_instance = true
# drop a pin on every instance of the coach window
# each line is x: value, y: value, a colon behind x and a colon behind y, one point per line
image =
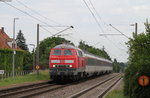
x: 67, y: 52
x: 57, y: 52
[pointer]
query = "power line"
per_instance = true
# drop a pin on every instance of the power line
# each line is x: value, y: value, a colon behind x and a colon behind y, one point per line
x: 37, y: 12
x: 93, y: 16
x: 97, y: 13
x: 104, y: 22
x: 46, y: 29
x: 26, y: 13
x: 98, y: 22
x: 37, y: 19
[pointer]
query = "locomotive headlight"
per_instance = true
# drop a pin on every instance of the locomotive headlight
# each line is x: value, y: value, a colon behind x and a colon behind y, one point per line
x: 69, y: 61
x: 70, y: 65
x: 55, y: 61
x: 54, y: 65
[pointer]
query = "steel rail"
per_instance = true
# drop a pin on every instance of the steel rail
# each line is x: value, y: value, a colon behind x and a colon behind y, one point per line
x: 91, y: 88
x: 108, y: 89
x: 3, y: 90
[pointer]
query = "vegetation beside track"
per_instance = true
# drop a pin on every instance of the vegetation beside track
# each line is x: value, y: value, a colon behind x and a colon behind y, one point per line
x: 33, y: 77
x: 116, y: 94
x: 138, y: 65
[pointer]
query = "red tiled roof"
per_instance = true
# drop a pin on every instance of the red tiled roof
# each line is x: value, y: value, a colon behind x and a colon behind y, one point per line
x: 4, y: 39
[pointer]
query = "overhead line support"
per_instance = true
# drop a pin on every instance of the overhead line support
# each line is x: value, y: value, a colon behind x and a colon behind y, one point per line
x: 119, y: 31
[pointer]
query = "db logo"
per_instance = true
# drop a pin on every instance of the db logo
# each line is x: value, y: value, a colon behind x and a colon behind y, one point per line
x: 143, y: 80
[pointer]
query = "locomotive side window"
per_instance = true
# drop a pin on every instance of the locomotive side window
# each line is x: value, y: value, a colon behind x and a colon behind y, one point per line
x: 80, y: 53
x: 67, y: 52
x: 57, y: 52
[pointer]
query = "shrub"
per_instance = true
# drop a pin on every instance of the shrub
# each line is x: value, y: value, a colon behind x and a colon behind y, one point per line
x: 139, y: 64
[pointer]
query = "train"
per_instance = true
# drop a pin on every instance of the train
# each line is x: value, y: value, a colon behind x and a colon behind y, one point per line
x: 67, y: 62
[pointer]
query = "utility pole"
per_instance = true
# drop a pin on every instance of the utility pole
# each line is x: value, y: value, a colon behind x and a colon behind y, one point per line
x: 136, y: 29
x: 37, y: 52
x: 13, y: 46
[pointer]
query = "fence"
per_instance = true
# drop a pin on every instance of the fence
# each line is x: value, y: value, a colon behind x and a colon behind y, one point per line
x: 9, y: 74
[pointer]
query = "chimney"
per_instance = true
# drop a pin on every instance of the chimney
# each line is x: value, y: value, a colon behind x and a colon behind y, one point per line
x: 2, y: 29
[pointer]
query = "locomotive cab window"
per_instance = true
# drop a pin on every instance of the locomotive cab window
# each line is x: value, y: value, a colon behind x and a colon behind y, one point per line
x: 57, y: 52
x: 67, y: 52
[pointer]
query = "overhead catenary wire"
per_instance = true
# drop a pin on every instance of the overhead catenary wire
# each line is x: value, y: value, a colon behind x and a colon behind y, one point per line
x: 97, y: 13
x: 37, y: 19
x: 59, y: 25
x: 98, y: 21
x: 26, y: 13
x: 93, y: 16
x: 103, y: 21
x: 46, y: 30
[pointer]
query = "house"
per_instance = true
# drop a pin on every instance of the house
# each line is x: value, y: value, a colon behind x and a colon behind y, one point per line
x: 5, y: 40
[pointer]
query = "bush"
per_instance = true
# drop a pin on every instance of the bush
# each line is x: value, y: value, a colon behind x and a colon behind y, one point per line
x: 139, y: 64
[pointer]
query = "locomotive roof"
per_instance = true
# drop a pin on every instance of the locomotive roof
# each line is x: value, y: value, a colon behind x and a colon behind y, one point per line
x: 66, y: 46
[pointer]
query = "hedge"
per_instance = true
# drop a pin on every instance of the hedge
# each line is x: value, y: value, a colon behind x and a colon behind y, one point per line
x: 6, y: 56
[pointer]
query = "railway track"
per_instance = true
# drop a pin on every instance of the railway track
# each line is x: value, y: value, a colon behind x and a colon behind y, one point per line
x: 42, y: 88
x: 29, y: 90
x: 32, y: 90
x: 98, y: 90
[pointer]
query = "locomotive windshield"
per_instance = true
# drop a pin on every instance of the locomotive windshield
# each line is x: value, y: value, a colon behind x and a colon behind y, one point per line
x: 67, y: 52
x: 57, y: 52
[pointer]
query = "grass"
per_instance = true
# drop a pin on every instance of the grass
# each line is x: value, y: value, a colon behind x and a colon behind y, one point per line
x: 116, y: 94
x: 24, y: 79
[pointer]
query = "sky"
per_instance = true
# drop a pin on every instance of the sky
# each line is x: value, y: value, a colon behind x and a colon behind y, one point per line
x: 88, y: 22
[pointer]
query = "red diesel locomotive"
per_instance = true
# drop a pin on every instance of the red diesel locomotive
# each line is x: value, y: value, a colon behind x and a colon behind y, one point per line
x: 69, y: 62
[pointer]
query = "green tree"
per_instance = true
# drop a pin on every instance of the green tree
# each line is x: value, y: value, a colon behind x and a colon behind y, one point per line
x: 21, y: 41
x: 139, y: 64
x: 116, y: 66
x: 95, y: 51
x: 28, y: 61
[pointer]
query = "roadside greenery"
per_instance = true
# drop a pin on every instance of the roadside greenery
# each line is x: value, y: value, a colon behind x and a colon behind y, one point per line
x: 23, y: 60
x: 95, y: 51
x: 44, y: 75
x: 118, y: 67
x: 6, y: 60
x: 139, y: 64
x: 21, y: 41
x: 116, y: 94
